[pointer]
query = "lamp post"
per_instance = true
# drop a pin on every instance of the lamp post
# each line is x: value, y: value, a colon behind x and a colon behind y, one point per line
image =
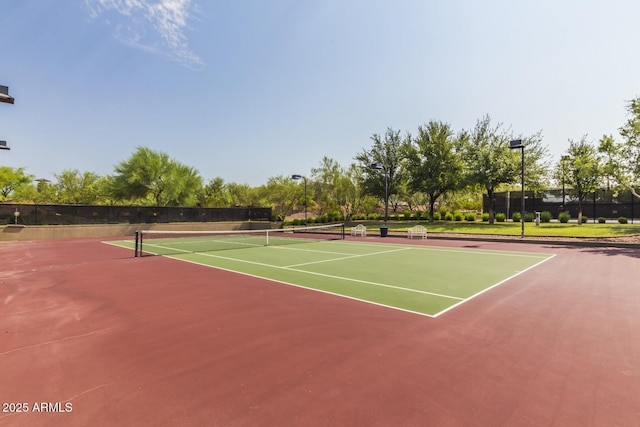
x: 515, y: 144
x: 4, y: 97
x: 379, y: 166
x: 297, y: 177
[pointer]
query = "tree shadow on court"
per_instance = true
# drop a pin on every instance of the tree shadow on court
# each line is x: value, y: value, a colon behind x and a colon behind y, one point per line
x: 632, y: 252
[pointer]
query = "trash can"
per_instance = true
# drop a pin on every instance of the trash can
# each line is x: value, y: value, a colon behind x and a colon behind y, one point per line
x: 383, y: 231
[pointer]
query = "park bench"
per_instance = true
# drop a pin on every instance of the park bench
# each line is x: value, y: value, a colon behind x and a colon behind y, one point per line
x: 417, y: 231
x: 359, y: 230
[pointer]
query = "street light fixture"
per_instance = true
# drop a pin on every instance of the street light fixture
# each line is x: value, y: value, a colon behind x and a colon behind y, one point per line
x: 4, y: 95
x: 515, y: 144
x: 379, y: 166
x: 297, y: 177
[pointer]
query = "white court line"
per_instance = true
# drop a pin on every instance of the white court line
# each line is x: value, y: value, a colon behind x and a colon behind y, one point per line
x: 366, y: 282
x: 402, y: 247
x: 493, y: 286
x: 461, y: 250
x: 346, y: 257
x: 307, y: 288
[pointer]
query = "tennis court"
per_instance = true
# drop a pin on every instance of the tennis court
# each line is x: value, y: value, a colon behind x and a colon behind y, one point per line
x: 416, y: 278
x: 115, y: 340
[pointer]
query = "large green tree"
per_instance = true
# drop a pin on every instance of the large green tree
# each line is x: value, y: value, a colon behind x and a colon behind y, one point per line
x: 434, y: 162
x: 75, y: 187
x: 584, y: 170
x: 491, y: 163
x: 152, y: 176
x: 282, y: 194
x: 216, y: 194
x: 348, y: 193
x: 324, y: 179
x: 11, y: 179
x: 488, y: 160
x: 629, y: 164
x: 387, y: 154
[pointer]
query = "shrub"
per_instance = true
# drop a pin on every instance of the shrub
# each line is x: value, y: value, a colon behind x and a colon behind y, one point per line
x: 372, y: 217
x: 407, y: 214
x: 471, y: 217
x: 448, y: 216
x: 443, y: 214
x: 602, y: 220
x: 335, y: 216
x: 545, y: 216
x: 516, y: 217
x: 529, y: 216
x: 436, y: 216
x: 417, y: 215
x: 564, y: 217
x: 622, y: 220
x: 500, y: 217
x: 296, y: 221
x: 312, y: 220
x: 458, y: 216
x: 485, y: 217
x: 584, y: 219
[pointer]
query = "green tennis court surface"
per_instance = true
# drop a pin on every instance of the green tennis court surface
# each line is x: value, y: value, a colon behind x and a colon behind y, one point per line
x: 416, y: 278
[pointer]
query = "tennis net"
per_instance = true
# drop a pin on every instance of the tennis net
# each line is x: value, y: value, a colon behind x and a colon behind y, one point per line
x: 158, y: 242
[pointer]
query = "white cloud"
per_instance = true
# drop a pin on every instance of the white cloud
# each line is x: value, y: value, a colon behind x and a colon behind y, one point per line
x: 154, y: 26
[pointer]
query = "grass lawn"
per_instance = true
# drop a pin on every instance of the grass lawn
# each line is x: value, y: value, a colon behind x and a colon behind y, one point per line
x: 552, y: 229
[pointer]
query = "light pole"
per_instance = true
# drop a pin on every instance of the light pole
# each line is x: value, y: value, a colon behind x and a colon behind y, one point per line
x: 379, y: 166
x: 4, y: 97
x: 297, y: 177
x: 515, y: 144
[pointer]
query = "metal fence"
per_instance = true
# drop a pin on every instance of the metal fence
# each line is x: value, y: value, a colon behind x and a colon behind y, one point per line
x: 28, y: 214
x: 602, y: 203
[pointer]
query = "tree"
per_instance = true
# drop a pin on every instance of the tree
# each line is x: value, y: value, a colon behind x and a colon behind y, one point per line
x: 583, y: 170
x: 434, y: 162
x: 282, y: 195
x: 324, y: 180
x: 537, y: 166
x: 11, y: 179
x: 153, y: 176
x: 491, y: 163
x: 629, y: 172
x: 216, y: 194
x: 74, y: 187
x: 610, y: 152
x: 243, y: 195
x: 348, y: 191
x: 388, y: 154
x: 488, y: 159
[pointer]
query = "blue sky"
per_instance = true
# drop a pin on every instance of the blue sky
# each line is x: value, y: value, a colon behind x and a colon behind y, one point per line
x: 247, y: 90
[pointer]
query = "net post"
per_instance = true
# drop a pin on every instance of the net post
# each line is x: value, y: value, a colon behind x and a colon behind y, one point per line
x: 140, y: 244
x: 343, y: 235
x: 136, y: 247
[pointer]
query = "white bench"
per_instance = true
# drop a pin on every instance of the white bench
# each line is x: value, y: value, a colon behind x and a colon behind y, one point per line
x: 417, y: 231
x: 359, y: 230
